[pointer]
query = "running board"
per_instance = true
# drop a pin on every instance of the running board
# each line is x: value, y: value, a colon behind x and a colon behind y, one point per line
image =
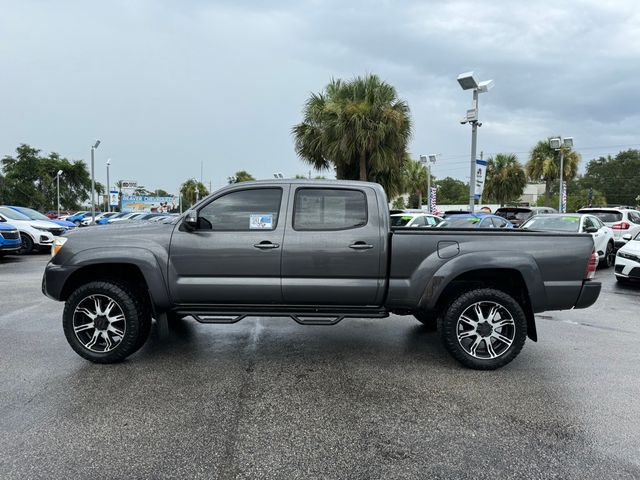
x: 306, y: 318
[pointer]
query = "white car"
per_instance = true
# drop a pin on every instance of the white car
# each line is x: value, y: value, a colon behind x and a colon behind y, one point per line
x: 628, y: 260
x: 89, y: 221
x: 414, y: 220
x: 623, y: 221
x: 124, y: 218
x: 35, y: 234
x: 603, y: 240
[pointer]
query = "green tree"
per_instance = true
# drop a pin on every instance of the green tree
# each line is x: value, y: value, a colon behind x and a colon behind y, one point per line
x: 544, y: 166
x: 618, y: 178
x: 161, y: 193
x: 415, y: 182
x: 577, y: 196
x: 241, y: 176
x: 398, y: 203
x: 192, y: 190
x: 505, y: 179
x: 358, y: 127
x: 30, y: 180
x: 452, y: 191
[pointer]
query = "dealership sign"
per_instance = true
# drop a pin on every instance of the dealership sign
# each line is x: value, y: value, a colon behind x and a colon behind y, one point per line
x: 143, y: 203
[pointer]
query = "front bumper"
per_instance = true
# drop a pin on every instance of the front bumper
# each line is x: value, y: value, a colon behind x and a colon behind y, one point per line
x: 588, y: 294
x: 53, y: 280
x: 627, y: 268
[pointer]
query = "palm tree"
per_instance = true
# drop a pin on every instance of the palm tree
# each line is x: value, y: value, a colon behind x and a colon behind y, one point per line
x: 415, y: 179
x: 192, y: 190
x: 241, y: 176
x: 544, y: 166
x: 360, y: 127
x: 505, y: 179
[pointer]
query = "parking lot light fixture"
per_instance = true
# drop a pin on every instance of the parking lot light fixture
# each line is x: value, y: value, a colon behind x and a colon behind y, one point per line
x: 93, y: 182
x: 58, y: 190
x: 560, y: 145
x: 468, y: 82
x: 108, y: 192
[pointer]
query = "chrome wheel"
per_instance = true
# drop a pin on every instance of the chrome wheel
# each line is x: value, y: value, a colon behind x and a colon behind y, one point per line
x: 99, y: 323
x: 485, y: 330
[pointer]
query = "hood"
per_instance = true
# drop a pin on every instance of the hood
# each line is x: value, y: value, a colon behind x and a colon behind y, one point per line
x: 43, y: 224
x: 632, y: 246
x: 63, y: 223
x: 7, y: 226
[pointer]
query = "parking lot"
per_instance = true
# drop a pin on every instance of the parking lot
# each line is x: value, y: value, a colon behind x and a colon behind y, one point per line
x: 268, y: 398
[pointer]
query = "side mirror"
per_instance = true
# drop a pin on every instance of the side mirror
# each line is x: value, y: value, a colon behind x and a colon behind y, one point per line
x: 191, y: 220
x: 591, y: 229
x: 627, y: 237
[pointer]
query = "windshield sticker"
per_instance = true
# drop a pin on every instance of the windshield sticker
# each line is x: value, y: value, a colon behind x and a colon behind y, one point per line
x: 406, y: 217
x: 570, y: 219
x: 261, y: 221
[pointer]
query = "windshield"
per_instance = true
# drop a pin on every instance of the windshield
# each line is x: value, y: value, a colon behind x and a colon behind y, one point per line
x: 559, y: 223
x: 607, y: 216
x: 33, y: 215
x: 463, y: 222
x: 400, y: 220
x: 12, y: 214
x: 514, y: 214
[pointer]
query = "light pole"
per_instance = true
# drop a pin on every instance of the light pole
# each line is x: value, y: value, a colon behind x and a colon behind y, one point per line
x: 108, y: 187
x: 58, y: 189
x: 560, y: 144
x: 427, y: 160
x: 93, y: 182
x: 467, y: 82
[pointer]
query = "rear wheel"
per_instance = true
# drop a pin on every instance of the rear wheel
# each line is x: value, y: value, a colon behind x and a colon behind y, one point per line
x: 105, y: 321
x: 27, y: 244
x: 484, y: 329
x: 609, y: 256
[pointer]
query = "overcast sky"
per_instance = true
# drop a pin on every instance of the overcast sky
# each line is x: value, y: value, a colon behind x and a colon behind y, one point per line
x: 166, y: 85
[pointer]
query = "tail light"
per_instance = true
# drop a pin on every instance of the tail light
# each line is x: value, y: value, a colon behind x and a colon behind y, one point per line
x: 621, y: 226
x: 591, y: 266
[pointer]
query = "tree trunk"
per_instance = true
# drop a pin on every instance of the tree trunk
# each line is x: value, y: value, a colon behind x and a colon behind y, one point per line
x: 547, y: 193
x: 419, y: 199
x: 363, y: 167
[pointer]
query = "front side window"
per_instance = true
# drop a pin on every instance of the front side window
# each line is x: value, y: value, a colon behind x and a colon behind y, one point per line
x: 244, y: 210
x: 329, y: 209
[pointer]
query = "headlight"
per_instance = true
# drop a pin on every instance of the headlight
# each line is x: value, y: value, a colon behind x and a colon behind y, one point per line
x: 58, y: 242
x: 629, y: 256
x: 42, y: 229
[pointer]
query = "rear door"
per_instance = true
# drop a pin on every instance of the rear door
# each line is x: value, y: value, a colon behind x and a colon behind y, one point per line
x: 234, y: 255
x: 334, y: 247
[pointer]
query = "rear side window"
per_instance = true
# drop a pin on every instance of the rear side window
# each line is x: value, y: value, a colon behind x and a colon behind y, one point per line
x: 244, y: 210
x: 329, y: 209
x: 634, y: 217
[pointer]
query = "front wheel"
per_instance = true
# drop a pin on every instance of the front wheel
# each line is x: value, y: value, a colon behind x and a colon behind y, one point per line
x: 484, y: 329
x: 105, y: 322
x: 27, y: 244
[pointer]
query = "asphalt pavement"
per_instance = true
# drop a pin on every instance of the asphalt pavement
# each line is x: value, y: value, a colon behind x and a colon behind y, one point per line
x: 365, y: 399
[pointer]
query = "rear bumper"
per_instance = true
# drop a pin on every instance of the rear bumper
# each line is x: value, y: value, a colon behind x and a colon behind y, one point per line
x: 588, y: 294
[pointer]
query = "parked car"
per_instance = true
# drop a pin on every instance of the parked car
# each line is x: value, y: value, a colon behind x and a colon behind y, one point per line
x: 578, y: 223
x: 624, y: 221
x: 88, y: 220
x: 80, y: 213
x: 9, y: 239
x: 414, y: 220
x: 318, y: 252
x: 34, y: 234
x: 35, y: 215
x: 78, y: 217
x: 475, y: 220
x: 628, y: 260
x: 125, y: 217
x: 518, y: 215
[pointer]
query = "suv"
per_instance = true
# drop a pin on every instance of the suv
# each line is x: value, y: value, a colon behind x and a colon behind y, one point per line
x: 623, y: 221
x: 518, y: 215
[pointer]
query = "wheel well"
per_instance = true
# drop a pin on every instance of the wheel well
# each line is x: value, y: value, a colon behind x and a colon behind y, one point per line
x: 507, y: 280
x: 126, y: 273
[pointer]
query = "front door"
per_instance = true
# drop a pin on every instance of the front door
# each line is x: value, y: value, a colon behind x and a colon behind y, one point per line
x: 334, y: 247
x: 234, y: 255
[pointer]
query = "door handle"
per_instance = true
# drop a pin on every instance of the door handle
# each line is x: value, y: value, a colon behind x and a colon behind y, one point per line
x: 360, y: 246
x: 266, y: 245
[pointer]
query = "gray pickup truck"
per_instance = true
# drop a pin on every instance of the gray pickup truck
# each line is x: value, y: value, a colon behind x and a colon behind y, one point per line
x: 318, y: 252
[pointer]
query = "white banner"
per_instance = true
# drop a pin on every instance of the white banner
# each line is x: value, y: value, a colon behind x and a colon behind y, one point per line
x: 481, y: 171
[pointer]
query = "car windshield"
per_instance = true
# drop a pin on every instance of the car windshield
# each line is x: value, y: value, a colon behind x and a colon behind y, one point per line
x: 555, y: 223
x: 459, y: 222
x: 11, y: 214
x: 33, y: 215
x: 607, y: 216
x: 400, y: 220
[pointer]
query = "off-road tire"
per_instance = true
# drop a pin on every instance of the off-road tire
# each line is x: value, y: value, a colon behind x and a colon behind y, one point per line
x: 137, y: 320
x: 447, y: 325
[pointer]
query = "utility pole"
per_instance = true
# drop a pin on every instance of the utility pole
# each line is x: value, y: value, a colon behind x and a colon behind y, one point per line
x: 58, y: 189
x: 108, y: 187
x: 93, y: 182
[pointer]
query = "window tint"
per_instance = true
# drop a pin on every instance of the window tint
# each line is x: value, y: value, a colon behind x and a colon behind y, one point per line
x: 244, y: 210
x: 420, y: 222
x: 329, y: 209
x: 608, y: 216
x: 634, y: 217
x: 486, y: 223
x: 588, y: 223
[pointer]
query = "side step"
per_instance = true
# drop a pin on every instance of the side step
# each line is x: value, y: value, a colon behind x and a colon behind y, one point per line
x: 306, y: 318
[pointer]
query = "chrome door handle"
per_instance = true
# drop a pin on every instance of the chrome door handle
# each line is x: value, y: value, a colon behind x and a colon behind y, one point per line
x: 266, y: 245
x: 360, y: 246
